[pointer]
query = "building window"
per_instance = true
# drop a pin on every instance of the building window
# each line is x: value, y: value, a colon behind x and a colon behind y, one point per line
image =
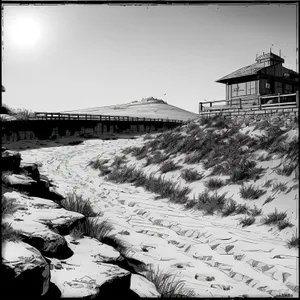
x: 288, y: 88
x: 238, y: 89
x: 278, y: 87
x: 251, y: 87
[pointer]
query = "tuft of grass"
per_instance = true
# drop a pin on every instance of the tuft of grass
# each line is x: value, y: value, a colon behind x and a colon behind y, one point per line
x: 274, y: 217
x: 268, y: 183
x: 100, y: 164
x: 242, y: 209
x: 244, y: 170
x: 255, y: 211
x: 229, y: 208
x: 169, y: 166
x: 168, y: 285
x: 269, y: 199
x: 286, y: 170
x: 279, y: 186
x: 8, y: 207
x: 118, y: 161
x: 214, y: 183
x: 204, y: 197
x: 92, y: 228
x: 293, y: 242
x: 247, y: 221
x: 190, y: 175
x: 10, y: 234
x: 74, y: 202
x: 251, y: 192
x: 165, y: 188
x: 284, y: 224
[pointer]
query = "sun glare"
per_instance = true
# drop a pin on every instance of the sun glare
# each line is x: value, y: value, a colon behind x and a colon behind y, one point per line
x: 25, y: 32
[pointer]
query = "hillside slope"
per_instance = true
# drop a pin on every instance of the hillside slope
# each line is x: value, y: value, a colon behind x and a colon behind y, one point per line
x: 149, y: 108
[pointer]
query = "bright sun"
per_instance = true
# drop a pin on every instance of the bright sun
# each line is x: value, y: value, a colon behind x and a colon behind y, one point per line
x: 25, y: 32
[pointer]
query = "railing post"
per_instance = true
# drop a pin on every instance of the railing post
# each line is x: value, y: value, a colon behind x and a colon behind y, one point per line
x: 278, y: 98
x: 240, y: 101
x: 259, y: 102
x: 297, y: 99
x: 210, y: 104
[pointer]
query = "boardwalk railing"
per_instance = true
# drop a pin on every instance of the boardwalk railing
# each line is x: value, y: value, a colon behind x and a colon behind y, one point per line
x: 87, y: 117
x: 258, y: 103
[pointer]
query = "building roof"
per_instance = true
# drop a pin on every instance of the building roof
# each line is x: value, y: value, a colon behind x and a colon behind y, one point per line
x: 269, y: 56
x: 245, y: 71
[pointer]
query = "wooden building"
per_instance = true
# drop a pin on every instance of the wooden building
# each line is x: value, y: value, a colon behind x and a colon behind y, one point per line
x: 266, y: 76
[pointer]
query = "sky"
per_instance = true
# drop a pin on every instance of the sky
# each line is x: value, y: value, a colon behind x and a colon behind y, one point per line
x: 67, y: 57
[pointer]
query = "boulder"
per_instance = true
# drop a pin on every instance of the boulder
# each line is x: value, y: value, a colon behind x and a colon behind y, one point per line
x: 143, y: 287
x: 89, y: 272
x: 25, y: 273
x: 10, y: 160
x: 31, y: 170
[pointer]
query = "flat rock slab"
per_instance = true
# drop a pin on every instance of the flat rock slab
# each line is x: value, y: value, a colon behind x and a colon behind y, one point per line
x: 36, y: 218
x: 25, y: 271
x: 86, y: 273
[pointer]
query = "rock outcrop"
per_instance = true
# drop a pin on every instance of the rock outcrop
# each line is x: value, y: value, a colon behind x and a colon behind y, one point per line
x: 25, y: 272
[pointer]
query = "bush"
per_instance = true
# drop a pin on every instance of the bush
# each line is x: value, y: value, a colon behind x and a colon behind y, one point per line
x: 190, y: 175
x: 247, y: 221
x: 293, y: 242
x: 74, y: 202
x: 92, y: 228
x: 169, y: 166
x: 274, y: 218
x: 5, y: 109
x: 168, y: 285
x: 8, y: 206
x: 24, y: 114
x: 9, y: 234
x: 214, y: 183
x: 251, y: 192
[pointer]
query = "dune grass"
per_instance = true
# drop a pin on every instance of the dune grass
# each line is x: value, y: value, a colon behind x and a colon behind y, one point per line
x: 92, y: 228
x: 100, y: 164
x: 8, y: 206
x: 242, y: 209
x: 284, y: 224
x: 247, y: 221
x: 285, y: 170
x: 214, y: 183
x: 279, y: 187
x: 269, y: 199
x: 251, y: 192
x: 255, y: 211
x: 74, y: 202
x: 229, y: 208
x: 274, y: 217
x: 169, y: 166
x: 168, y: 285
x: 293, y: 242
x: 10, y: 234
x: 190, y: 175
x: 164, y: 188
x: 118, y: 161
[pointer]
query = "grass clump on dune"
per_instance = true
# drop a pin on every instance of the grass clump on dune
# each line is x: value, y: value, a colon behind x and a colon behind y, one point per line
x: 284, y: 224
x: 8, y: 206
x: 247, y: 221
x: 8, y: 234
x: 279, y: 186
x: 100, y: 164
x: 92, y: 228
x: 165, y: 188
x: 118, y: 161
x: 274, y: 217
x: 74, y: 202
x: 229, y: 208
x: 168, y: 285
x: 169, y: 166
x: 293, y: 242
x: 251, y: 192
x: 286, y: 170
x: 190, y: 175
x: 214, y: 183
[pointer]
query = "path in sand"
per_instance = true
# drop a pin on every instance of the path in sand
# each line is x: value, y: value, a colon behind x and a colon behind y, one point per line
x: 213, y: 255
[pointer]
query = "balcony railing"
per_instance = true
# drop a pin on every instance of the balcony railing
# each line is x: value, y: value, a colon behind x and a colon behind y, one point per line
x: 258, y: 103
